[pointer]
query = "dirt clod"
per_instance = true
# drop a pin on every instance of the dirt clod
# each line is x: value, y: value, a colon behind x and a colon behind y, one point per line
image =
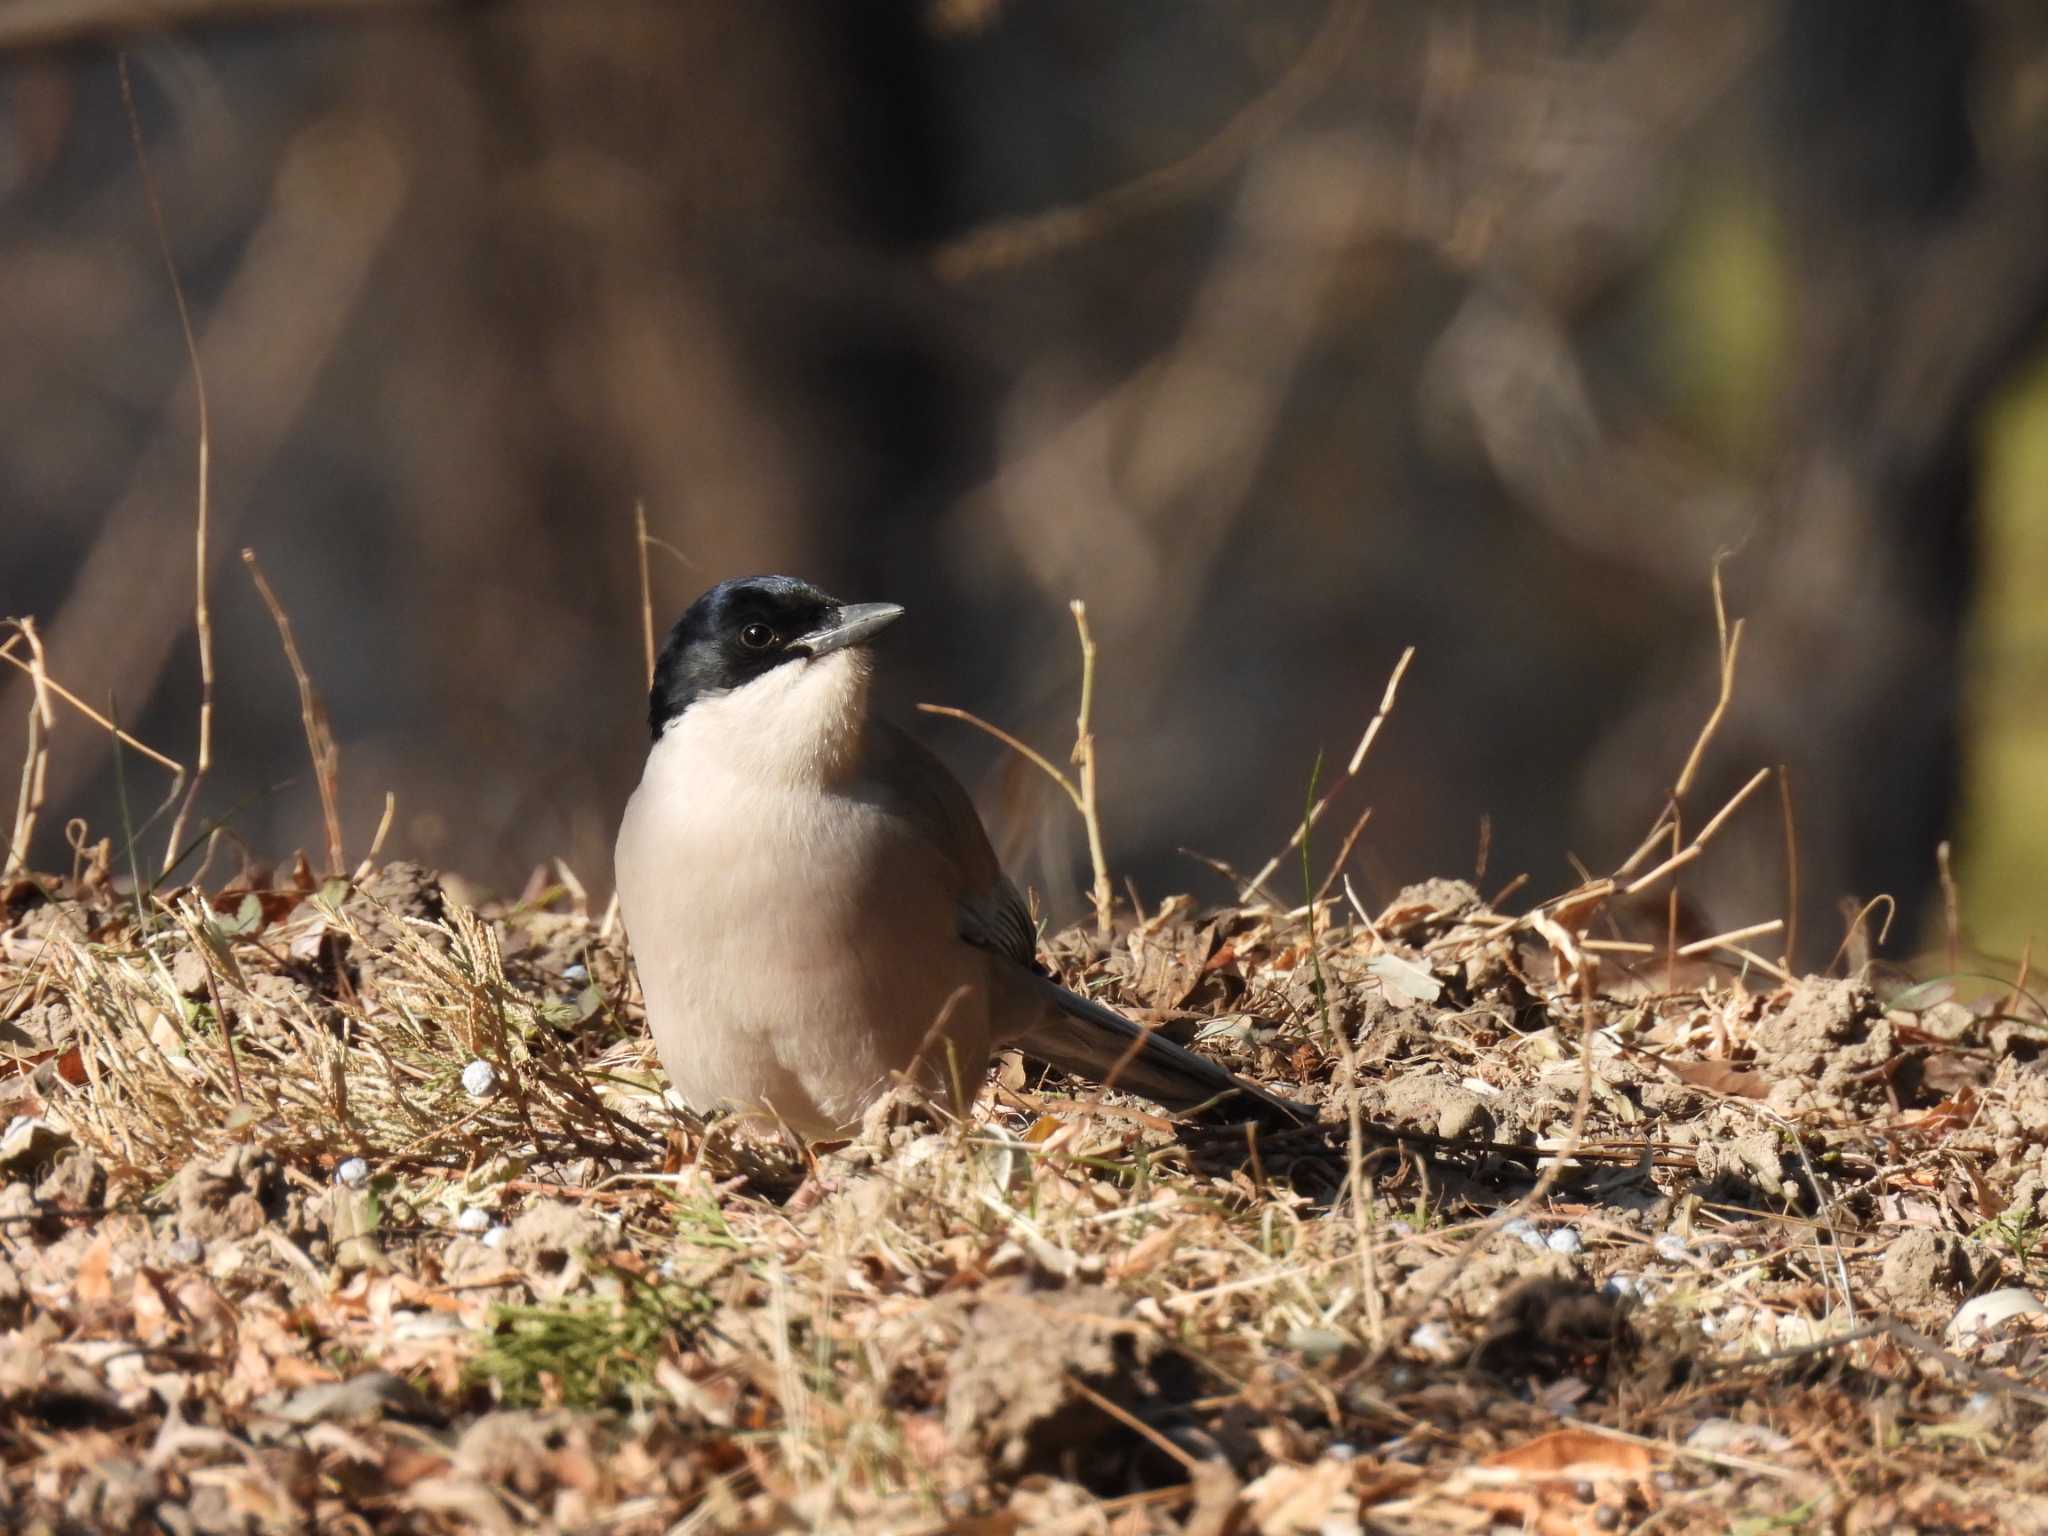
x: 1924, y: 1268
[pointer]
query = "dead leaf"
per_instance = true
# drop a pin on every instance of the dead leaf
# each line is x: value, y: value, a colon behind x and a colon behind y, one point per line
x: 209, y: 1320
x: 925, y: 1438
x: 1580, y: 1451
x: 1403, y: 978
x: 151, y: 1312
x: 94, y: 1286
x: 1215, y: 1488
x: 1290, y: 1499
x: 1720, y: 1077
x: 1544, y: 1483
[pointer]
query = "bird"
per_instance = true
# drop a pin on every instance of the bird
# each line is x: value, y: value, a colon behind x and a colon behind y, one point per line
x: 813, y: 904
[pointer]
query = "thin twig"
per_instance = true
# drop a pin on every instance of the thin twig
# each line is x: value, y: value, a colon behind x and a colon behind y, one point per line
x: 369, y: 862
x: 1693, y: 849
x: 1731, y: 647
x: 1135, y: 1424
x: 1082, y: 794
x: 1791, y: 867
x: 1035, y: 758
x: 1729, y: 642
x: 1856, y: 925
x: 1343, y: 855
x: 1671, y: 908
x: 1372, y: 730
x: 1729, y: 939
x: 1769, y: 968
x: 1084, y: 759
x: 313, y: 714
x: 2019, y: 984
x: 1656, y: 835
x: 202, y: 617
x: 35, y: 765
x: 144, y: 748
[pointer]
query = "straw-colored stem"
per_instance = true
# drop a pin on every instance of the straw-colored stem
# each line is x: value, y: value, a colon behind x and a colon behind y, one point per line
x: 313, y: 715
x: 202, y: 616
x: 1084, y: 759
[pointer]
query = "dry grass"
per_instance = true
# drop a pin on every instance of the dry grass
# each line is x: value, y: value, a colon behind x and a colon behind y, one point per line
x: 334, y: 1200
x: 252, y: 1170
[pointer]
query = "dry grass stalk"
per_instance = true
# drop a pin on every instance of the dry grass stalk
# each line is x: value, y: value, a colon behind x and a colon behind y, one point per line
x: 1082, y: 794
x: 1791, y: 868
x: 1856, y: 922
x: 1351, y: 768
x: 646, y: 586
x: 202, y: 619
x: 35, y: 767
x: 1732, y: 937
x: 1343, y: 855
x: 1729, y: 639
x: 1084, y: 759
x: 1951, y: 907
x: 378, y: 1077
x: 369, y: 863
x: 57, y: 689
x: 1692, y: 850
x: 214, y: 957
x: 313, y: 714
x: 2020, y: 978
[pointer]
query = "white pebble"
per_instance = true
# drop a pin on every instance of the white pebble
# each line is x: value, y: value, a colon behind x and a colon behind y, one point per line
x: 576, y: 972
x: 474, y: 1218
x: 495, y: 1238
x: 353, y: 1172
x: 185, y: 1250
x: 1431, y: 1338
x: 1565, y: 1240
x: 479, y: 1079
x: 1619, y: 1285
x: 1673, y: 1247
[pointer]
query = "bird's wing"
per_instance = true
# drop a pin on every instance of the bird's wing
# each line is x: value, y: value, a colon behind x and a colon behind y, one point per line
x: 922, y: 790
x: 1079, y: 1035
x: 1064, y: 1029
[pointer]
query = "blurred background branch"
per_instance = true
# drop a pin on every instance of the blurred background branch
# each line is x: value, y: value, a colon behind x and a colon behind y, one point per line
x: 1285, y: 333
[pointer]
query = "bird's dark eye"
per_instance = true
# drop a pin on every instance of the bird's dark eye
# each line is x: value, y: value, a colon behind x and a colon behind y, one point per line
x: 757, y: 637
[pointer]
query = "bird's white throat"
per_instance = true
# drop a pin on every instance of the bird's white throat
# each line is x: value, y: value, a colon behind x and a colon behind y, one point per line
x: 799, y: 724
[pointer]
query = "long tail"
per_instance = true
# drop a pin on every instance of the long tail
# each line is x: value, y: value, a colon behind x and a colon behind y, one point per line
x: 1079, y: 1035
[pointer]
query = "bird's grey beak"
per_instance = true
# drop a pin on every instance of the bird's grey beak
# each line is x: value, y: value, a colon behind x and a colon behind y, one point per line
x: 849, y: 624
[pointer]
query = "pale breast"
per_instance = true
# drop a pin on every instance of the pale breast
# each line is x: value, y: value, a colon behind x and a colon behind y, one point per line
x: 795, y: 944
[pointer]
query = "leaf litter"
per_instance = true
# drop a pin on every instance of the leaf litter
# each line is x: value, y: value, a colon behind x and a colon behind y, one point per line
x: 344, y: 1201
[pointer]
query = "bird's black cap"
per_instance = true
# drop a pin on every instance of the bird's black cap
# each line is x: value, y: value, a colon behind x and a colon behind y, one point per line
x: 744, y: 628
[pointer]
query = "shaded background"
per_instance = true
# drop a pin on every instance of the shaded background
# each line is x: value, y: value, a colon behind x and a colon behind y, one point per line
x: 1284, y: 333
